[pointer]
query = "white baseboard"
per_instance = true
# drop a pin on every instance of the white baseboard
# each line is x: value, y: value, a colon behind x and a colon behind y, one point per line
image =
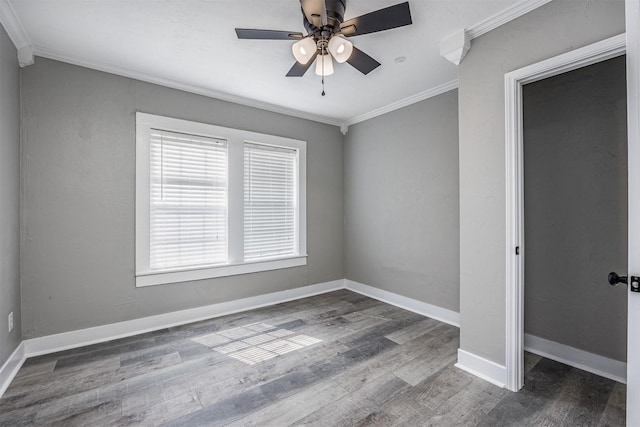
x: 82, y: 337
x: 590, y: 362
x: 79, y: 338
x: 423, y: 308
x: 482, y: 368
x: 11, y: 367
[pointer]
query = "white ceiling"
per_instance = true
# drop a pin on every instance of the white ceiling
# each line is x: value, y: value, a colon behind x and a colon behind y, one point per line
x: 192, y: 44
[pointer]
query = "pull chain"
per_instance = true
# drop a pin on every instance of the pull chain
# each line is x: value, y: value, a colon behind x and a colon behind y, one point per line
x: 322, y: 59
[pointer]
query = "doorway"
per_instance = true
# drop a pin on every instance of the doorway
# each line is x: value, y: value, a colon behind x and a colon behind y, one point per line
x: 575, y: 232
x: 515, y: 243
x: 575, y: 217
x: 514, y: 277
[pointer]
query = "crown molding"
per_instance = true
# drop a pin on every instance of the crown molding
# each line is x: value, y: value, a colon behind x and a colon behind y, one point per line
x: 421, y: 96
x: 343, y: 125
x: 26, y: 52
x: 25, y: 56
x: 12, y: 25
x: 455, y: 46
x: 500, y: 18
x: 198, y: 90
x: 17, y: 34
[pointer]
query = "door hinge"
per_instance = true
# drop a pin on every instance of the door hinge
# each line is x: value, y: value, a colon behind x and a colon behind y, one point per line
x: 517, y: 250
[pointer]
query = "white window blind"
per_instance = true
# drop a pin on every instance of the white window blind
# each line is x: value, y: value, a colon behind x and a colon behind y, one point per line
x: 188, y: 200
x: 270, y: 201
x: 213, y: 201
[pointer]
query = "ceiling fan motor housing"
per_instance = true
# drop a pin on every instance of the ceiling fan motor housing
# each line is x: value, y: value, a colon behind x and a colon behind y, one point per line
x: 335, y: 17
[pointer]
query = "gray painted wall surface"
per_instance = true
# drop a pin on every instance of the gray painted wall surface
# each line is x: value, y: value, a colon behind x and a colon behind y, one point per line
x: 78, y: 201
x: 575, y: 197
x: 550, y: 30
x: 401, y: 202
x: 9, y: 196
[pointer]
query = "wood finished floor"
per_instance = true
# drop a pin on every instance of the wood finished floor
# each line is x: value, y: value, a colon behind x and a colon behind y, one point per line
x: 375, y: 365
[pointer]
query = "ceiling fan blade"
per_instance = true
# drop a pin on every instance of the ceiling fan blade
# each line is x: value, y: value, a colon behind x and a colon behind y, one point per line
x: 299, y: 69
x: 379, y: 20
x: 248, y: 33
x: 362, y: 62
x: 314, y: 10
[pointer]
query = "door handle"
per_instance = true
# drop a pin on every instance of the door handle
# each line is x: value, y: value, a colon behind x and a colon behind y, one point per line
x: 615, y: 280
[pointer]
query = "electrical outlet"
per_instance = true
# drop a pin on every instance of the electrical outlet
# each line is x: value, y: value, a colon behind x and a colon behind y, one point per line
x: 10, y: 321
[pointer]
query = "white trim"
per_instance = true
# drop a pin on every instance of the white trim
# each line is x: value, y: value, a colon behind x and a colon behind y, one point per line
x: 421, y: 96
x: 82, y: 337
x: 482, y: 368
x: 25, y: 56
x: 455, y: 46
x: 514, y: 277
x: 120, y: 71
x: 410, y: 304
x: 342, y: 124
x: 235, y: 140
x: 159, y: 278
x: 632, y: 14
x: 98, y: 334
x: 18, y: 35
x: 11, y: 367
x: 12, y: 25
x: 590, y: 362
x: 514, y: 295
x: 504, y: 16
x: 578, y: 58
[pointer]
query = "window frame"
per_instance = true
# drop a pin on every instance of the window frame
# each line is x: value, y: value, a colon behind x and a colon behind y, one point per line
x: 236, y: 139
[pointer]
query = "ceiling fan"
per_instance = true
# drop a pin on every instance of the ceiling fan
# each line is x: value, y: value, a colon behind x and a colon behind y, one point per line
x: 326, y: 35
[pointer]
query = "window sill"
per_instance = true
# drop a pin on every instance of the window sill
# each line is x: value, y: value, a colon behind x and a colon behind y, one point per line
x: 162, y: 278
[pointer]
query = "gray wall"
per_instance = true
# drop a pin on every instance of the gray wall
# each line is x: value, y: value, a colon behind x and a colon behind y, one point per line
x: 9, y: 196
x: 78, y: 200
x: 555, y: 28
x: 401, y: 202
x: 575, y: 202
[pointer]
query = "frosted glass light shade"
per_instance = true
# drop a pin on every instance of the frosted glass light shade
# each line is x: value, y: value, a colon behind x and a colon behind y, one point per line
x: 340, y: 48
x: 328, y: 65
x: 304, y: 49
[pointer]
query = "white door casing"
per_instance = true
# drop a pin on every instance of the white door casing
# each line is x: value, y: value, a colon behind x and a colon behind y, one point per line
x: 514, y: 81
x: 632, y: 13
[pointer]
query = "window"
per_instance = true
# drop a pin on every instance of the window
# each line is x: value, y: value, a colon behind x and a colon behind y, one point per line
x: 188, y: 201
x: 214, y: 201
x: 269, y: 201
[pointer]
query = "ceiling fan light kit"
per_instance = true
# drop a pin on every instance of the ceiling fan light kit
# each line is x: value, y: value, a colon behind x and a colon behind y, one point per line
x: 326, y: 32
x: 340, y: 48
x: 304, y: 50
x: 324, y: 65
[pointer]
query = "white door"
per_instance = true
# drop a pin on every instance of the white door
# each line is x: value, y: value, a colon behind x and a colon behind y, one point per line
x: 633, y: 108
